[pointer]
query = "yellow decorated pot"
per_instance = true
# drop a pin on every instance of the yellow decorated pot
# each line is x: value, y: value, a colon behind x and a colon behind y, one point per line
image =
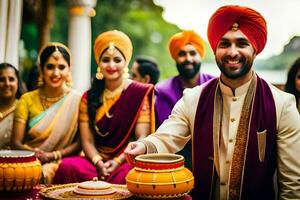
x: 19, y: 170
x: 159, y: 176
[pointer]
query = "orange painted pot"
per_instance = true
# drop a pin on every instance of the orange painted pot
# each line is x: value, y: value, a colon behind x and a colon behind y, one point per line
x: 159, y: 176
x: 19, y: 170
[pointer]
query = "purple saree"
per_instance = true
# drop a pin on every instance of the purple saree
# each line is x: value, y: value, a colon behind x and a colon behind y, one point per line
x: 119, y: 130
x: 256, y: 180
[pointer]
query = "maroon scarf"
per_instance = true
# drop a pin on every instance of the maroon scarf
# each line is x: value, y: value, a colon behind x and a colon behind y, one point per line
x: 257, y: 182
x: 125, y: 113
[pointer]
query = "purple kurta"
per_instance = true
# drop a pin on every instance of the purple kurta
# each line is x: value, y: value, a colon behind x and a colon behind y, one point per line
x: 167, y: 93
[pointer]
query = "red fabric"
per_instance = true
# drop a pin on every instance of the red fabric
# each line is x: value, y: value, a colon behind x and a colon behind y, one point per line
x: 18, y: 160
x: 31, y: 194
x: 251, y: 23
x: 158, y: 166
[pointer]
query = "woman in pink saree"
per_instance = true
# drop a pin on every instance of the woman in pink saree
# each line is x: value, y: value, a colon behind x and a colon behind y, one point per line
x: 115, y: 111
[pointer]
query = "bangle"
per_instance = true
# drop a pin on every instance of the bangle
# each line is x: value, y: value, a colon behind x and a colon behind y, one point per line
x: 57, y: 155
x: 118, y: 160
x: 96, y: 159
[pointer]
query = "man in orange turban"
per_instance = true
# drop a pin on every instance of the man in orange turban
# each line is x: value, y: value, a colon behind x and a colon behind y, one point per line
x: 179, y: 40
x: 187, y: 49
x: 242, y: 128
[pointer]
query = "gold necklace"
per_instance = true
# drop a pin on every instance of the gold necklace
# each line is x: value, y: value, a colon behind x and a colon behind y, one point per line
x: 48, y: 101
x: 109, y: 94
x: 8, y: 111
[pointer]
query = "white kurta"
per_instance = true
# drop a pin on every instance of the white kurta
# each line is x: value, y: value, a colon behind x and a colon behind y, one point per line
x: 175, y: 132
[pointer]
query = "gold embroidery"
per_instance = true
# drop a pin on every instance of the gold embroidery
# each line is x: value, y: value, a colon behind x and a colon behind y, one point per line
x: 239, y: 154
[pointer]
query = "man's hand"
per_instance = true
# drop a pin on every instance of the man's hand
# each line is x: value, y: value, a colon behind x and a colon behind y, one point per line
x: 134, y: 149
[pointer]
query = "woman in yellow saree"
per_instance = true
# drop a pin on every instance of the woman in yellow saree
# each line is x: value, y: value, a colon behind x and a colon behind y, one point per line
x: 115, y: 111
x: 45, y: 119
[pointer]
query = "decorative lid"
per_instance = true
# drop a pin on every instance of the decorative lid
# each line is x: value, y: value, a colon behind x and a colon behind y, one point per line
x: 94, y: 187
x: 94, y: 184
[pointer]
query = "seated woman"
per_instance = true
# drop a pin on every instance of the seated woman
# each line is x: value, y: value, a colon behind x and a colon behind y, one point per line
x: 46, y: 118
x: 10, y: 90
x: 113, y: 112
x: 293, y: 81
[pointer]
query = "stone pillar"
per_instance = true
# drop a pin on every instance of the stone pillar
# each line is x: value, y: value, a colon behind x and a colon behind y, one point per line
x: 10, y: 30
x: 79, y: 42
x: 3, y: 28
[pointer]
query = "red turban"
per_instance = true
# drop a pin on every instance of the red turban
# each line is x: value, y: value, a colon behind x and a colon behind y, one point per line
x: 249, y: 21
x: 181, y: 39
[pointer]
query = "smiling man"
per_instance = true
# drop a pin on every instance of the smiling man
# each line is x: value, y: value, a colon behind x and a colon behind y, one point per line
x: 188, y: 50
x: 242, y: 128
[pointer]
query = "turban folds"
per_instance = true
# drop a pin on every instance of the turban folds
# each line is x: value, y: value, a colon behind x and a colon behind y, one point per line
x: 249, y: 21
x: 119, y: 39
x: 181, y: 39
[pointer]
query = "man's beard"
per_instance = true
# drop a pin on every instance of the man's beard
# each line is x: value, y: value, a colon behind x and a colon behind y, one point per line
x: 245, y: 68
x: 188, y: 73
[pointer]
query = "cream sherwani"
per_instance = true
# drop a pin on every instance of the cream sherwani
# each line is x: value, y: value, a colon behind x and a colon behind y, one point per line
x: 175, y: 132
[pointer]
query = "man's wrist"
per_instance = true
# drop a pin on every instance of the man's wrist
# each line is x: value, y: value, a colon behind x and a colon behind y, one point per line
x: 149, y: 146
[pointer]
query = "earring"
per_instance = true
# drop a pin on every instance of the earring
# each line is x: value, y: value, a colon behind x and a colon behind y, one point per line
x: 69, y: 81
x: 40, y: 81
x: 99, y: 75
x: 126, y: 74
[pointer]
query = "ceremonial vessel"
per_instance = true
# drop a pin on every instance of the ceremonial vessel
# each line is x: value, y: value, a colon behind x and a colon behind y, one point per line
x: 159, y: 176
x: 86, y: 190
x: 19, y: 170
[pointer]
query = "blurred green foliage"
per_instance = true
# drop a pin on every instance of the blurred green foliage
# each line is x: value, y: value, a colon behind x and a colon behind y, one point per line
x: 277, y: 62
x: 142, y: 21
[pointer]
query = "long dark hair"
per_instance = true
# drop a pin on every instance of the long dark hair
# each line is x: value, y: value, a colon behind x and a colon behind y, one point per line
x: 95, y: 94
x: 20, y: 89
x: 290, y: 85
x: 94, y: 100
